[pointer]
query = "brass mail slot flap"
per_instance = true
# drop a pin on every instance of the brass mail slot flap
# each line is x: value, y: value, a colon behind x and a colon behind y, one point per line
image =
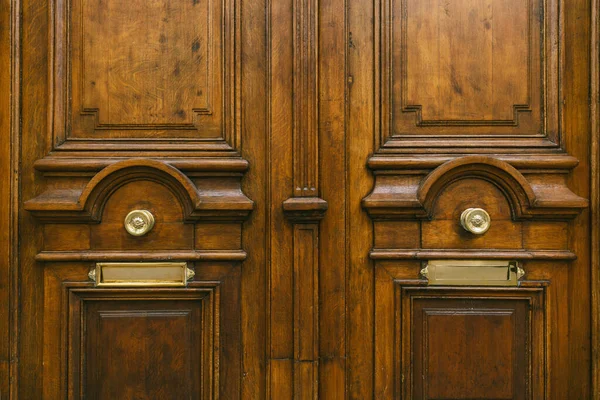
x: 472, y: 272
x: 147, y: 274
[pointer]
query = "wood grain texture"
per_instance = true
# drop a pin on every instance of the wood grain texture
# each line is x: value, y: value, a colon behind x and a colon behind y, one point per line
x: 464, y: 62
x: 209, y: 190
x: 306, y: 311
x: 209, y: 198
x: 477, y: 348
x: 140, y: 80
x: 332, y: 229
x: 413, y: 352
x: 577, y: 117
x: 469, y: 71
x: 194, y: 355
x: 595, y: 193
x: 306, y: 94
x: 329, y: 154
x: 123, y: 62
x: 426, y: 127
x: 253, y: 135
x: 304, y: 210
x: 531, y: 194
x: 360, y: 112
x: 9, y: 145
x: 34, y: 109
x: 153, y: 365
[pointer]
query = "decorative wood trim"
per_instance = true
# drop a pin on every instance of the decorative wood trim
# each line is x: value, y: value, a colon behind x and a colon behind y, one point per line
x: 595, y: 195
x: 304, y: 209
x: 306, y: 104
x: 466, y: 136
x: 219, y: 286
x: 175, y: 255
x: 410, y: 194
x: 216, y: 165
x: 73, y: 321
x: 457, y: 254
x: 535, y: 295
x: 86, y: 205
x: 60, y: 109
x: 559, y: 162
x: 510, y: 181
x: 10, y: 169
x: 393, y: 326
x: 306, y: 311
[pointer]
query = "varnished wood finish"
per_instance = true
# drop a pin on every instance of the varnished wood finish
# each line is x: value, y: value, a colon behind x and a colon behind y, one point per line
x: 179, y: 80
x: 9, y: 145
x: 479, y: 342
x: 595, y: 192
x: 436, y: 150
x: 305, y: 158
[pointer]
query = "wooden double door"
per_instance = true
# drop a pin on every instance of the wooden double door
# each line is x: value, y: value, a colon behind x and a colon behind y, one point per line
x: 299, y: 199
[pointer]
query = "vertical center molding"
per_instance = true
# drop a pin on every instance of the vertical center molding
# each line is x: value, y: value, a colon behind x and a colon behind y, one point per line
x: 305, y: 209
x: 306, y: 85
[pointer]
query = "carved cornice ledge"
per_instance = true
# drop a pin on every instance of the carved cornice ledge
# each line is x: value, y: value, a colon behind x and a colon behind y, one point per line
x: 305, y: 209
x: 470, y: 254
x: 176, y: 255
x: 220, y: 200
x: 409, y: 191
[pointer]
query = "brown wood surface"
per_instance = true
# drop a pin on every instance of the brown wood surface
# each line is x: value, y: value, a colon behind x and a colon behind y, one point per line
x: 306, y: 158
x: 479, y: 347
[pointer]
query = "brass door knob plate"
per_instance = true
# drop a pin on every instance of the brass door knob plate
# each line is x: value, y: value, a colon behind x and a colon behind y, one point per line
x: 475, y: 220
x: 139, y: 222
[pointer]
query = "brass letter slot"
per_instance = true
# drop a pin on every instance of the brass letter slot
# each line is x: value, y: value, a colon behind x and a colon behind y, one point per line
x: 472, y: 272
x: 147, y: 274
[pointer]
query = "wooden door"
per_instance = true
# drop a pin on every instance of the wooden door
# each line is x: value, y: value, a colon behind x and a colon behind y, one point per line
x: 224, y: 199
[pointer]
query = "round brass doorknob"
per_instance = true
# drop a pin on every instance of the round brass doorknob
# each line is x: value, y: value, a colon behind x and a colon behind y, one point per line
x: 139, y: 222
x: 475, y: 220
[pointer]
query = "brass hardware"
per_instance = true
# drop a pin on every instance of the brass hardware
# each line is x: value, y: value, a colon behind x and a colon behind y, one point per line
x: 190, y: 274
x: 475, y: 220
x: 473, y: 272
x: 139, y: 222
x: 146, y: 274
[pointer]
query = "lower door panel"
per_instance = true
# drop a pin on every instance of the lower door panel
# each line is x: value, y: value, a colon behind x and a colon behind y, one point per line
x: 460, y: 342
x: 142, y: 343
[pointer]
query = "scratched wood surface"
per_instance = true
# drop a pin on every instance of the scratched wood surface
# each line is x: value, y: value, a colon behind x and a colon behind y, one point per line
x: 306, y: 159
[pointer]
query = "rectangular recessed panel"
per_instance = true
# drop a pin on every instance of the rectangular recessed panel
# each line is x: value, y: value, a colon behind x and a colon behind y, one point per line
x: 467, y: 60
x: 145, y: 62
x: 132, y: 70
x: 470, y: 348
x: 143, y: 349
x: 470, y: 73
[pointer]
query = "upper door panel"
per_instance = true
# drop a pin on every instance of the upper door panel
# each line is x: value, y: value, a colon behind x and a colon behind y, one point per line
x: 469, y: 74
x: 138, y: 74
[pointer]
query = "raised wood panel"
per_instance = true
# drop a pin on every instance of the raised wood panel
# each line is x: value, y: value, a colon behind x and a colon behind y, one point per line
x: 459, y: 342
x: 306, y: 311
x: 147, y: 72
x: 165, y: 344
x: 464, y: 62
x: 470, y: 348
x: 136, y: 72
x: 157, y: 347
x: 142, y: 343
x: 484, y: 70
